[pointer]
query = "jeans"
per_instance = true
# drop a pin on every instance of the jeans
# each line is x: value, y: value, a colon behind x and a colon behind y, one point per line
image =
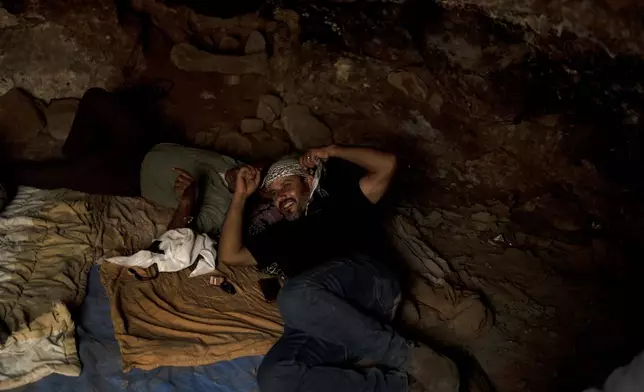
x: 336, y: 315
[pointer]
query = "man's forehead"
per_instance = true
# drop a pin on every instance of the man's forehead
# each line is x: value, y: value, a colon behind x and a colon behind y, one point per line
x: 283, y: 181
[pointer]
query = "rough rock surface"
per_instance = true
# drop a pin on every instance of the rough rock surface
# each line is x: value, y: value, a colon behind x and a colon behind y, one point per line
x: 182, y: 23
x: 408, y: 83
x: 305, y: 130
x: 7, y: 19
x: 251, y: 125
x: 234, y: 144
x: 232, y: 80
x: 605, y: 23
x: 204, y: 139
x: 267, y: 147
x: 269, y: 108
x: 277, y: 124
x: 173, y: 21
x: 228, y: 44
x: 40, y: 148
x: 54, y: 54
x: 20, y: 118
x: 255, y: 43
x: 60, y: 115
x: 189, y: 58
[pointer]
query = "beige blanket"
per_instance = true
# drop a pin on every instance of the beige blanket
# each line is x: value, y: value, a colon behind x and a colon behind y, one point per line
x: 174, y: 320
x: 48, y: 241
x: 180, y: 321
x: 45, y: 253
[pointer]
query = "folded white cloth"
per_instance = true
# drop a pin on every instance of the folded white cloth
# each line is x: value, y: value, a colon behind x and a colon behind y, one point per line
x: 181, y: 248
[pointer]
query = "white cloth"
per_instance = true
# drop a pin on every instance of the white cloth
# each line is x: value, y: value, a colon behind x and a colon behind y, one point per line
x: 181, y: 248
x: 43, y: 347
x: 629, y: 378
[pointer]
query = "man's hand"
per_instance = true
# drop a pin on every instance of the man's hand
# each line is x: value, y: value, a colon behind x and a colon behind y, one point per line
x: 311, y: 158
x: 380, y: 166
x: 247, y: 182
x: 185, y: 187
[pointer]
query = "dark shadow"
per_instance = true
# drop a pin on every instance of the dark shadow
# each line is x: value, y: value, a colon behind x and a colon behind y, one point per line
x: 4, y: 332
x: 472, y: 376
x: 15, y: 6
x: 614, y: 336
x: 590, y: 89
x: 221, y: 9
x: 417, y: 15
x: 146, y: 98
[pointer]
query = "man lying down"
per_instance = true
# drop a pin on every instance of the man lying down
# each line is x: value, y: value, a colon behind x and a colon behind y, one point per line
x: 340, y: 295
x: 113, y: 149
x: 196, y: 182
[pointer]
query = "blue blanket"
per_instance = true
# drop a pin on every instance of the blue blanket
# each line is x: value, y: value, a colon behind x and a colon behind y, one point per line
x: 99, y: 354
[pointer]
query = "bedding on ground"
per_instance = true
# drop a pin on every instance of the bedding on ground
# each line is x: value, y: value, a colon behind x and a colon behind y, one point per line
x: 101, y: 365
x: 48, y: 242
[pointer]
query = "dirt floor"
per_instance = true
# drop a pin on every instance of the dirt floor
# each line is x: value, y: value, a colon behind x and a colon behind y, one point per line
x: 521, y: 165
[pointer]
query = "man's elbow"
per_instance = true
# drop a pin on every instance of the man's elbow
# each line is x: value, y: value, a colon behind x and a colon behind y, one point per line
x: 226, y: 257
x: 392, y: 162
x: 388, y: 168
x: 231, y: 258
x: 227, y: 260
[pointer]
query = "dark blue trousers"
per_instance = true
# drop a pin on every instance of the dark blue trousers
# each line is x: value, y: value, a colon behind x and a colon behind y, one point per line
x: 337, y: 315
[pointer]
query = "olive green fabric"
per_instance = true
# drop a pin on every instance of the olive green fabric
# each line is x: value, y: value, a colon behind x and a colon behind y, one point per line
x: 157, y: 180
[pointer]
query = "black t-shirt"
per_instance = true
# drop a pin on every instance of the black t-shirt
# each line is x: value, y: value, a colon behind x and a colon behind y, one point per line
x: 340, y: 222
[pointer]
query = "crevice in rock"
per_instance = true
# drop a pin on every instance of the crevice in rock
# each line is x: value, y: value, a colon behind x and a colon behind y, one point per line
x: 221, y: 9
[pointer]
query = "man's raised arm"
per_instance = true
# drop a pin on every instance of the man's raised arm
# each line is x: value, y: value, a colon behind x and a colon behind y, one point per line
x: 380, y: 166
x: 231, y: 249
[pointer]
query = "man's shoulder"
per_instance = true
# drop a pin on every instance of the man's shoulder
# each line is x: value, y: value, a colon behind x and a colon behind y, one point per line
x: 338, y: 177
x: 342, y: 168
x: 340, y: 186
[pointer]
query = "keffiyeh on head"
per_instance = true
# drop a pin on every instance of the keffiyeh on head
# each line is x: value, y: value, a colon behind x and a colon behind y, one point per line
x: 284, y: 168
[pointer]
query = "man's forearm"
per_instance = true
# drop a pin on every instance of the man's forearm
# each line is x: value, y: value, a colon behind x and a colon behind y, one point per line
x: 230, y: 243
x: 380, y: 167
x: 181, y: 216
x: 373, y: 161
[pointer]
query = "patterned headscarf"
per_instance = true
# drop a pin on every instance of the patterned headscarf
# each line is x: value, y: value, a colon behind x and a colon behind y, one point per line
x: 284, y: 168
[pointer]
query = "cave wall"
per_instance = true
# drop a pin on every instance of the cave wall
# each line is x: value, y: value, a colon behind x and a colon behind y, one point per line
x: 60, y: 49
x: 612, y: 25
x: 523, y: 114
x: 494, y: 107
x: 508, y: 100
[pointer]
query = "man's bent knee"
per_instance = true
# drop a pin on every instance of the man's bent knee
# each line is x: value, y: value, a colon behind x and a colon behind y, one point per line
x: 279, y: 376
